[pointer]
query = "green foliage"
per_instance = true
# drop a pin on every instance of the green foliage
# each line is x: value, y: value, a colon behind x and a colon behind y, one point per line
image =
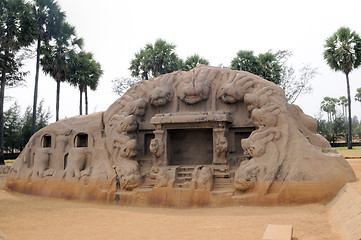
x: 343, y: 50
x: 265, y: 65
x: 17, y: 128
x: 192, y: 61
x: 332, y: 131
x: 17, y: 26
x: 59, y: 57
x: 12, y: 128
x: 328, y: 105
x: 85, y: 71
x: 358, y: 95
x: 17, y: 30
x: 49, y: 18
x: 343, y: 53
x: 154, y: 60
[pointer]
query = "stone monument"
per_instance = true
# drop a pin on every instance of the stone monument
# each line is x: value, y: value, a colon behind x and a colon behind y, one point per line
x: 206, y: 137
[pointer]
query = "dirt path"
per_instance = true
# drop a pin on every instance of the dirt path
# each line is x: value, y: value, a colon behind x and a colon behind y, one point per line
x: 31, y: 217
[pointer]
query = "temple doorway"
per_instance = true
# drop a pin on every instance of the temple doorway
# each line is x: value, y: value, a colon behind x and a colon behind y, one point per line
x: 190, y: 146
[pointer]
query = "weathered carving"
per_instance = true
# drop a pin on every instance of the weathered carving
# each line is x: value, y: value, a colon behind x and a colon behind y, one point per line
x: 76, y: 163
x: 41, y: 162
x: 261, y: 166
x: 124, y: 123
x: 160, y: 93
x: 236, y: 90
x: 129, y: 174
x: 157, y: 151
x: 221, y: 149
x: 215, y: 110
x: 192, y: 91
x: 204, y: 178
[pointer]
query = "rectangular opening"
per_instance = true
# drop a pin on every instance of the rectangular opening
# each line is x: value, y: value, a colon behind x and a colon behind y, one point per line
x: 238, y: 136
x: 190, y: 146
x: 147, y: 138
x: 81, y: 140
x: 46, y: 141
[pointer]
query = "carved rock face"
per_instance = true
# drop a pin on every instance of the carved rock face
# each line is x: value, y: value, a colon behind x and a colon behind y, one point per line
x: 194, y: 92
x: 129, y: 149
x: 129, y: 174
x: 136, y: 107
x: 282, y: 148
x: 128, y: 124
x: 41, y: 162
x: 161, y: 95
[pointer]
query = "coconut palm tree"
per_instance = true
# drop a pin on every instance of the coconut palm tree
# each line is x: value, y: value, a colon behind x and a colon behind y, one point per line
x: 49, y: 18
x: 343, y: 53
x: 60, y: 56
x: 85, y: 73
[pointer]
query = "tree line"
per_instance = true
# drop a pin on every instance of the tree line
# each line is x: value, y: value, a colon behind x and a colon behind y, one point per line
x: 58, y: 52
x: 17, y: 127
x: 159, y: 58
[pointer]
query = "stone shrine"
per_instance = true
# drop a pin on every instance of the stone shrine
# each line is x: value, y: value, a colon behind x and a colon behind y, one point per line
x: 206, y: 137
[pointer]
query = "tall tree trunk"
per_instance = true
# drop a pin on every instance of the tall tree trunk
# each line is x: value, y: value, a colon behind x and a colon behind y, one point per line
x: 57, y: 99
x: 86, y: 100
x: 33, y: 123
x: 81, y: 101
x: 349, y: 142
x: 2, y: 94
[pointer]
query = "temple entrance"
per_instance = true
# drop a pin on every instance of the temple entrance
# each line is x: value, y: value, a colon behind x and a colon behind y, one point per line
x: 190, y: 146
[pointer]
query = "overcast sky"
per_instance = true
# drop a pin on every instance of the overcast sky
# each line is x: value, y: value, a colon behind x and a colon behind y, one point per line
x: 216, y: 30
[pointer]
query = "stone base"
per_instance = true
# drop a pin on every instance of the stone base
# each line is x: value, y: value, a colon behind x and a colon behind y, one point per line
x: 104, y: 191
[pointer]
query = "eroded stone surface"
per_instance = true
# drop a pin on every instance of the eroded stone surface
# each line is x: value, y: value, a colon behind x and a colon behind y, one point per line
x: 219, y: 136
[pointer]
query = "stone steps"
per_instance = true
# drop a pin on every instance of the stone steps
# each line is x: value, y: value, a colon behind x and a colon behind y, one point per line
x: 183, y: 177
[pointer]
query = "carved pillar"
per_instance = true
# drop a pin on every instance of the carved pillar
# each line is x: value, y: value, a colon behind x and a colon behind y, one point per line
x: 158, y: 147
x: 220, y: 145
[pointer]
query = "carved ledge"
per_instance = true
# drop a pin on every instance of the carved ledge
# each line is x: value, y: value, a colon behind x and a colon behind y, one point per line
x: 188, y: 117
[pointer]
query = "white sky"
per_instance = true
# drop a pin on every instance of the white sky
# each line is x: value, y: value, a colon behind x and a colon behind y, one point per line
x: 114, y: 30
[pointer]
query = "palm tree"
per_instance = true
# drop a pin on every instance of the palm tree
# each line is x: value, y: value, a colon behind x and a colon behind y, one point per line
x: 270, y: 67
x: 192, y: 61
x: 328, y: 105
x: 58, y: 58
x: 17, y: 30
x: 246, y: 61
x: 85, y: 73
x: 343, y: 53
x: 49, y: 19
x: 155, y: 60
x: 343, y: 102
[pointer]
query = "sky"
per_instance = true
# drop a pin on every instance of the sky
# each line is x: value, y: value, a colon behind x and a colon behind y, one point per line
x: 114, y: 30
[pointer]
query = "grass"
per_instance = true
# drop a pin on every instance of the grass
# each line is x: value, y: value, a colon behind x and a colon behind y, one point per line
x: 349, y: 153
x: 9, y: 160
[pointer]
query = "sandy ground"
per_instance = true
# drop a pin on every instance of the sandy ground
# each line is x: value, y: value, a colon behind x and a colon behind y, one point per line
x: 31, y: 217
